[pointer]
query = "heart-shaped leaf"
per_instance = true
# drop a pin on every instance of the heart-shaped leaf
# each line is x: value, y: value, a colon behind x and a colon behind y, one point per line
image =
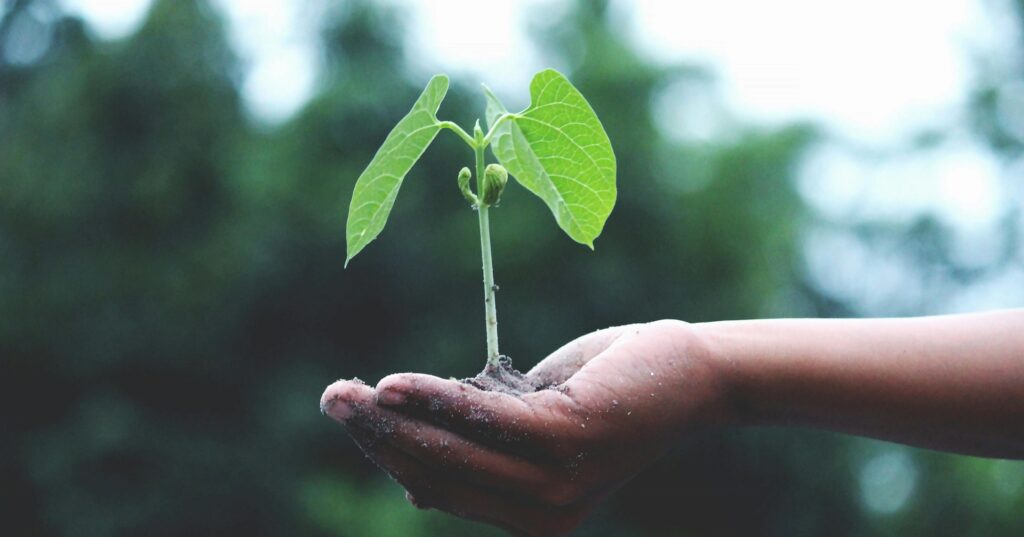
x: 378, y: 185
x: 558, y: 149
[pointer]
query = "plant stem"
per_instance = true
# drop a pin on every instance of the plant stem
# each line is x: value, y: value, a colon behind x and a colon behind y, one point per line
x: 490, y: 308
x: 494, y: 126
x: 458, y: 130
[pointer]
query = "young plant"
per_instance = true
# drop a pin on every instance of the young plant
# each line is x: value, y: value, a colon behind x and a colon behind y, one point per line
x: 556, y: 148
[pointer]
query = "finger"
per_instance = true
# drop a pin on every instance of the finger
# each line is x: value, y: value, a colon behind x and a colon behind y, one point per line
x: 422, y: 486
x: 344, y: 398
x: 351, y: 403
x: 568, y: 359
x: 533, y: 423
x: 428, y: 488
x: 461, y: 458
x: 471, y: 461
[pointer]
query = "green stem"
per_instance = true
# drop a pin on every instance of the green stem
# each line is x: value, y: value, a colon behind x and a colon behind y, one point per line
x: 494, y: 128
x: 454, y: 127
x: 490, y: 308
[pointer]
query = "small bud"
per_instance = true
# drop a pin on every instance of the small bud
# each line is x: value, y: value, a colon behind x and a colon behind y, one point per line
x: 478, y: 133
x: 495, y: 179
x: 464, y: 176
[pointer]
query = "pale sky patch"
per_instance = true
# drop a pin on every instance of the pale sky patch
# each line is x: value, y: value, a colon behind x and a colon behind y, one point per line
x: 111, y: 19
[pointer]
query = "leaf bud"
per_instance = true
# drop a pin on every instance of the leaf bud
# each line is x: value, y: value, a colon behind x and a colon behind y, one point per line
x: 464, y: 176
x: 495, y: 179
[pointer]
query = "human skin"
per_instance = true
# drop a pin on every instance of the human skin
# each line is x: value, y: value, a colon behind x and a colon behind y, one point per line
x: 539, y: 463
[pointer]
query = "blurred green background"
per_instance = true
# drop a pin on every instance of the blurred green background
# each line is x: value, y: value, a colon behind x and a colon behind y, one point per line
x: 172, y: 299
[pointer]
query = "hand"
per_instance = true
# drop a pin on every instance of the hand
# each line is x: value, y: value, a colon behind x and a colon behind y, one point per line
x: 539, y: 463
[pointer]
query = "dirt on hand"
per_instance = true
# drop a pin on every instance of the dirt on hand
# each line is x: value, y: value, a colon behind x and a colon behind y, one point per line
x: 504, y: 379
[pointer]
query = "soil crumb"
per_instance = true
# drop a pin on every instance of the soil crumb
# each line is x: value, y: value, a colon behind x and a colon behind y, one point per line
x: 503, y: 379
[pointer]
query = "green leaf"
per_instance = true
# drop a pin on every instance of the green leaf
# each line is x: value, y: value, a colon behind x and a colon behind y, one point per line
x: 558, y: 150
x: 378, y: 185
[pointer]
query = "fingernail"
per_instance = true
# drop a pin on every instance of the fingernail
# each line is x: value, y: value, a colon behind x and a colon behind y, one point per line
x: 388, y: 397
x: 336, y: 409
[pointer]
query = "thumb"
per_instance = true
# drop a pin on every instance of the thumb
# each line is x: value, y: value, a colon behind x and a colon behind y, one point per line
x: 569, y: 358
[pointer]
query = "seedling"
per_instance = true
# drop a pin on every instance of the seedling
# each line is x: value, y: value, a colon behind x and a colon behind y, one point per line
x: 556, y: 148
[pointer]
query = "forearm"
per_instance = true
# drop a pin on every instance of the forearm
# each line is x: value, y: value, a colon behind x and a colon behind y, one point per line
x: 953, y: 383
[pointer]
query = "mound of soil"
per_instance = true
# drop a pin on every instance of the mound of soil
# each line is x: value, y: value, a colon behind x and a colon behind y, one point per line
x: 503, y: 379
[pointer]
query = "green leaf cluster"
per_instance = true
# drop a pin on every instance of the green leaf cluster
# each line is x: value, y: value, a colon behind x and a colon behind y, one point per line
x: 556, y: 148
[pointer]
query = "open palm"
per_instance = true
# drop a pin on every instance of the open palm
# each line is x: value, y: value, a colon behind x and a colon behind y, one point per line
x: 538, y: 463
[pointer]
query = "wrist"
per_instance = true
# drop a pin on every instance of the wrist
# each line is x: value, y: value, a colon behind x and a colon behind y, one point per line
x: 720, y: 349
x: 708, y: 391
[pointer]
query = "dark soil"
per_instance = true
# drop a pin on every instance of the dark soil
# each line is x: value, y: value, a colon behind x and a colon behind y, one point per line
x: 503, y: 379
